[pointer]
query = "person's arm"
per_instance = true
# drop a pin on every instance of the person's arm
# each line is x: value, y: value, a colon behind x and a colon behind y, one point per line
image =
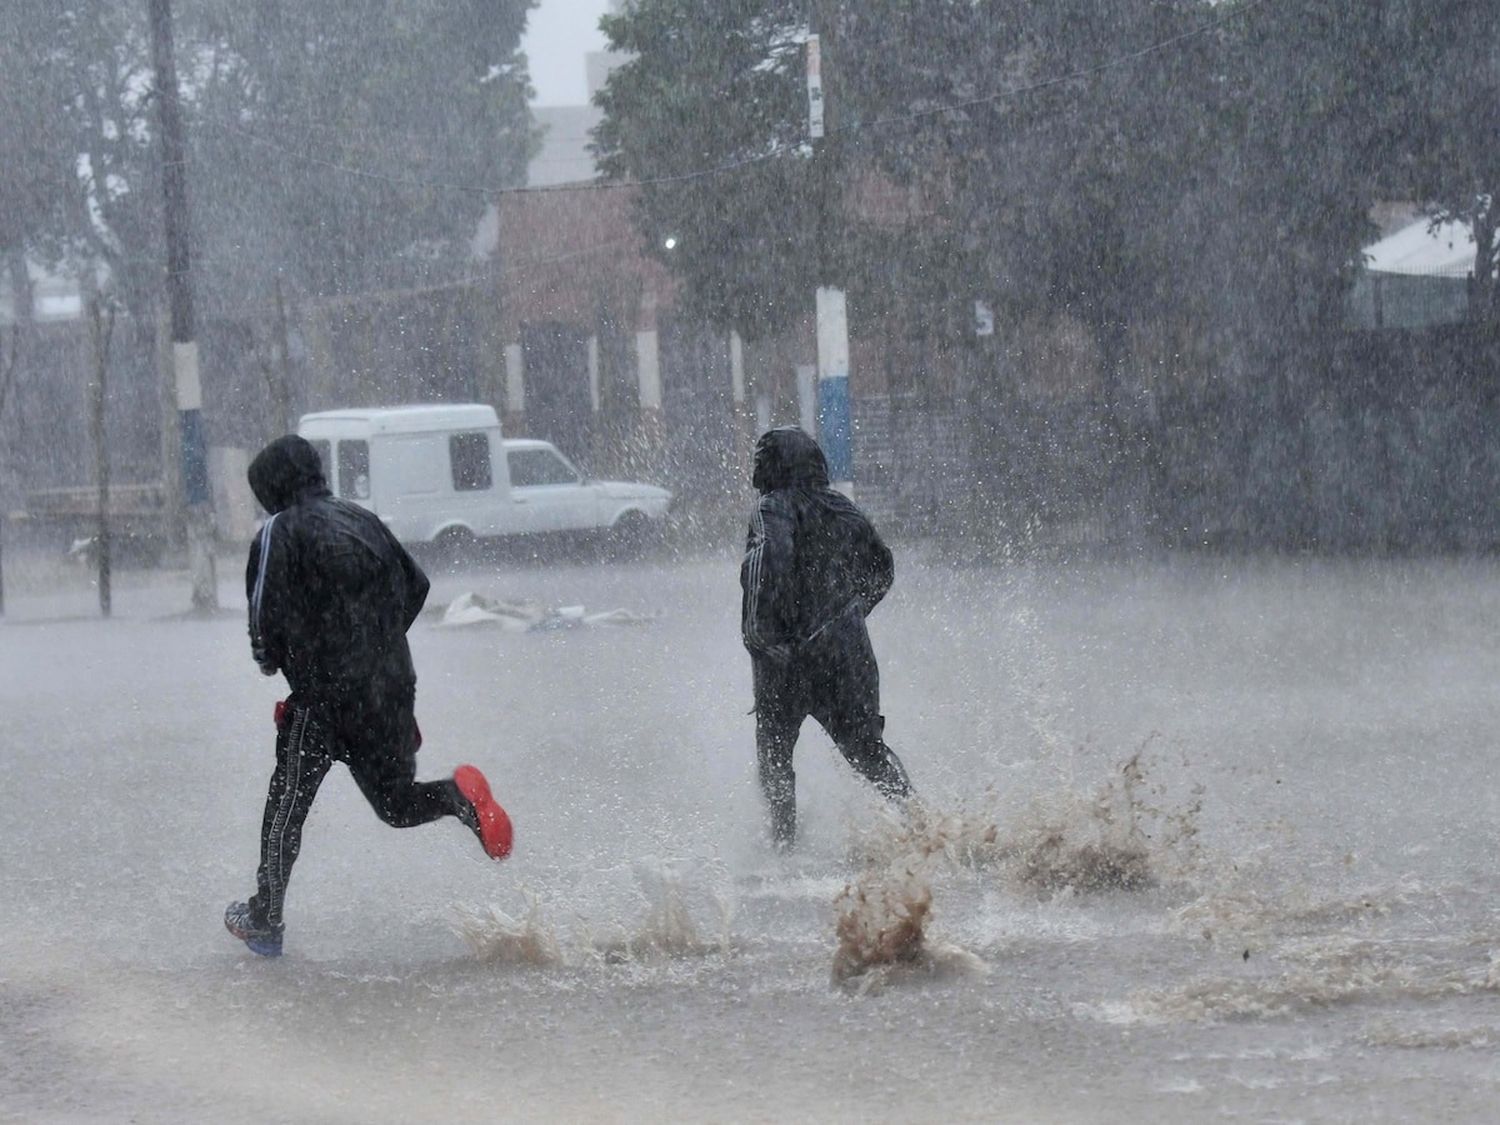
x: 268, y: 589
x: 414, y: 579
x: 877, y: 573
x: 764, y: 575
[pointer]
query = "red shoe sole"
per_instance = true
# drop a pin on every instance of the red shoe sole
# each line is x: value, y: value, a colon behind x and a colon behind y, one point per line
x: 495, y: 831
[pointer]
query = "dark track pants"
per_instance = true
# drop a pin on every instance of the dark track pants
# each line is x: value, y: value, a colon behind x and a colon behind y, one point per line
x: 375, y: 735
x: 833, y: 678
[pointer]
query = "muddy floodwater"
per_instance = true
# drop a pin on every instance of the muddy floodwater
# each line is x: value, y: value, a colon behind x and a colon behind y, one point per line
x: 1198, y: 840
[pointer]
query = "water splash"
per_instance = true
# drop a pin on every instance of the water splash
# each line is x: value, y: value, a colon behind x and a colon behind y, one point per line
x: 666, y: 932
x: 1238, y: 909
x: 882, y: 919
x: 495, y: 938
x: 1387, y: 1034
x: 1321, y: 973
x: 883, y: 916
x: 1124, y: 836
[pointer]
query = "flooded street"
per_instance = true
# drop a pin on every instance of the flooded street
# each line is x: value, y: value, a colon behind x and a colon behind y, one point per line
x: 1158, y: 339
x: 1203, y: 840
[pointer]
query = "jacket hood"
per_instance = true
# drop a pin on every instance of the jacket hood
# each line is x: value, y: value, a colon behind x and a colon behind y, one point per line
x: 788, y: 457
x: 284, y: 472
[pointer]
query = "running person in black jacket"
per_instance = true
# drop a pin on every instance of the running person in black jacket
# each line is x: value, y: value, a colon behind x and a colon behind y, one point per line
x: 332, y: 594
x: 813, y: 570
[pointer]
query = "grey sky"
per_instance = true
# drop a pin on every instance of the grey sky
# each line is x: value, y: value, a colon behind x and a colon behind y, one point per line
x: 558, y: 36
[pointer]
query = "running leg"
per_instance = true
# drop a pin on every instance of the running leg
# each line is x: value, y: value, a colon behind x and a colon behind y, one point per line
x: 302, y: 761
x: 379, y: 743
x: 777, y: 723
x: 848, y: 707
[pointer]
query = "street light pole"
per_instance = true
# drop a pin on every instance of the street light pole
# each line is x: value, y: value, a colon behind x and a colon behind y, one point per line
x: 180, y: 299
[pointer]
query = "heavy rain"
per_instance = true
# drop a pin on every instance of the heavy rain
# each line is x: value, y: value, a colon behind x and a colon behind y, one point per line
x: 1077, y: 419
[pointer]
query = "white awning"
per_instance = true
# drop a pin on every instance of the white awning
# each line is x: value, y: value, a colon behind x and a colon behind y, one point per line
x: 1424, y: 250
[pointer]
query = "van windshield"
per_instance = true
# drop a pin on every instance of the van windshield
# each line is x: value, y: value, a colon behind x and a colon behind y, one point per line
x: 539, y: 467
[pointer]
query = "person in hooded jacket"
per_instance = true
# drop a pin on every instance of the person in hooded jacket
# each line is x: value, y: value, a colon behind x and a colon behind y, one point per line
x: 813, y: 570
x: 332, y: 594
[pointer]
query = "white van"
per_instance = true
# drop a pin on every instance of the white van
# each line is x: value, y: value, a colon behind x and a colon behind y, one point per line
x: 443, y: 474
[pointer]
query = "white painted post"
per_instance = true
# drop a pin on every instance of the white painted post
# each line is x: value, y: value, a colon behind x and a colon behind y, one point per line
x: 807, y: 398
x: 737, y: 367
x: 515, y: 380
x: 835, y: 425
x: 814, y: 88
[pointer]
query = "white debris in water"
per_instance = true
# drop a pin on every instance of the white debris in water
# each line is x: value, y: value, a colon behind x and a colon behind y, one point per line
x: 469, y: 609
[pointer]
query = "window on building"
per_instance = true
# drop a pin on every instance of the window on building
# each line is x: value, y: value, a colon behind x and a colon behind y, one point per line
x: 539, y: 466
x: 470, y: 458
x: 354, y: 470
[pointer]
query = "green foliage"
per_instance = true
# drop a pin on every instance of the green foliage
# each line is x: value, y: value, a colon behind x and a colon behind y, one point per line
x: 37, y: 185
x: 1202, y: 169
x: 712, y: 83
x: 307, y: 125
x: 1454, y: 119
x: 332, y: 113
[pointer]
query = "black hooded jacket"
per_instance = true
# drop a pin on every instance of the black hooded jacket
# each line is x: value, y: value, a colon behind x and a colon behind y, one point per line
x: 331, y: 591
x: 811, y: 555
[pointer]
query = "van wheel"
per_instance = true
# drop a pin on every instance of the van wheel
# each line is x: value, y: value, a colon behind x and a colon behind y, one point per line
x: 629, y: 536
x: 456, y: 545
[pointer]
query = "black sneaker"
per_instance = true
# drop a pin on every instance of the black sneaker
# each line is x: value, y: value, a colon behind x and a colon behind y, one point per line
x: 258, y: 936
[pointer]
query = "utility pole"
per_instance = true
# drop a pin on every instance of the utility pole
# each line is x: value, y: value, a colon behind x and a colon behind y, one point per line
x: 101, y: 329
x: 23, y: 306
x: 180, y: 298
x: 835, y: 424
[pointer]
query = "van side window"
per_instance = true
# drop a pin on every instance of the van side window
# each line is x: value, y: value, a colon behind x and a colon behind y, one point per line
x: 354, y: 470
x: 470, y: 457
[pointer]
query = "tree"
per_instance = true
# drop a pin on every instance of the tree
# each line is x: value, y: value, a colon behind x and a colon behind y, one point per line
x: 719, y: 85
x: 1452, y: 104
x: 1029, y: 196
x: 319, y: 133
x: 352, y: 146
x: 38, y: 171
x: 116, y: 220
x: 308, y: 125
x: 1053, y: 187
